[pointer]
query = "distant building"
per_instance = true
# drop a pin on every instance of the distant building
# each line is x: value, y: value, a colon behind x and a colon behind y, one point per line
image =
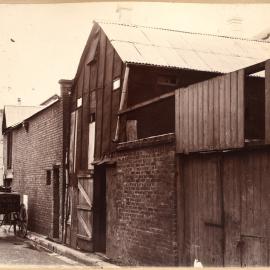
x: 49, y: 100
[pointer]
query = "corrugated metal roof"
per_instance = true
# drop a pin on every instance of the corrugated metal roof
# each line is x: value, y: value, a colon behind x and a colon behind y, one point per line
x: 16, y: 114
x: 171, y: 48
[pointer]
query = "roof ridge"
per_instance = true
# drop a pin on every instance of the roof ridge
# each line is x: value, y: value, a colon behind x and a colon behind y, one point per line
x: 179, y: 31
x: 32, y: 106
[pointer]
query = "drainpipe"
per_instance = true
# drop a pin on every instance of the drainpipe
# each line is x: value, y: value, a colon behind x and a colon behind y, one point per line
x: 122, y: 103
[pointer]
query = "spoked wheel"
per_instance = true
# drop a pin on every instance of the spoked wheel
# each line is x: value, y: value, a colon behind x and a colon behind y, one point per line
x: 22, y: 229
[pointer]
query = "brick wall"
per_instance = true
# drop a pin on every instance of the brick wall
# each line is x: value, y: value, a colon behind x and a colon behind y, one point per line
x: 141, y: 205
x: 35, y: 151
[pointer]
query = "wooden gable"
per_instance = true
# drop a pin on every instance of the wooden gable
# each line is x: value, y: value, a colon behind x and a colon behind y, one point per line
x: 93, y: 97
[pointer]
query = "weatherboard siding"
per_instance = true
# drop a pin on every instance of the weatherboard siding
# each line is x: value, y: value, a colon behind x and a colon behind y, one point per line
x: 210, y: 114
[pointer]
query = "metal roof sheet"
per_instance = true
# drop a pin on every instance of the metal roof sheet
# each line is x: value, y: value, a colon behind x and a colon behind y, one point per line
x: 15, y: 114
x: 171, y: 48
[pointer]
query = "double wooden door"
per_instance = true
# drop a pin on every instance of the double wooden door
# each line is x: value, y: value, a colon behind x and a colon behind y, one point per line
x: 226, y: 208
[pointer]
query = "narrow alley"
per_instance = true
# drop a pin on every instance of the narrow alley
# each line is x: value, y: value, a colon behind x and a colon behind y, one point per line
x: 15, y: 250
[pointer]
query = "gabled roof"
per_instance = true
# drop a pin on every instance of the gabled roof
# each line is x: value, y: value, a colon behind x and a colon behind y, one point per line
x: 15, y: 114
x: 179, y: 49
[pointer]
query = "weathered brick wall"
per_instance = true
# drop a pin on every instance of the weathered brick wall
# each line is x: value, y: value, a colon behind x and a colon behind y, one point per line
x: 33, y: 152
x: 141, y: 206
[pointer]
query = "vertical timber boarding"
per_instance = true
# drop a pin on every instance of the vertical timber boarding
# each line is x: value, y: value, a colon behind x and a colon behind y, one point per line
x: 210, y: 114
x: 85, y: 211
x: 246, y: 206
x: 267, y: 102
x: 92, y: 98
x: 201, y: 211
x: 223, y: 210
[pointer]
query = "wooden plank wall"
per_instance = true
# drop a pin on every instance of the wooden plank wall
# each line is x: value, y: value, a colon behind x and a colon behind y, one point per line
x: 94, y: 86
x: 109, y: 68
x: 226, y: 208
x: 203, y: 231
x: 210, y: 114
x: 246, y: 208
x: 99, y: 65
x: 267, y: 102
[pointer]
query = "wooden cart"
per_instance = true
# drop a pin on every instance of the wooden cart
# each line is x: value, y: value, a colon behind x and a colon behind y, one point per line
x: 13, y: 212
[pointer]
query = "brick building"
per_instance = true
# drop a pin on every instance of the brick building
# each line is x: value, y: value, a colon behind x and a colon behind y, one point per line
x: 33, y: 160
x: 123, y: 103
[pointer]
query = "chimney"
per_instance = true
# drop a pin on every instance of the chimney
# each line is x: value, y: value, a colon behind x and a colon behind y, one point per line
x: 19, y: 101
x: 124, y: 14
x: 65, y: 87
x: 234, y: 25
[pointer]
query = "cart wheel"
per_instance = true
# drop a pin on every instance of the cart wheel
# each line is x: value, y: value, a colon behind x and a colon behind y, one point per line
x: 22, y: 230
x: 22, y: 221
x: 15, y: 222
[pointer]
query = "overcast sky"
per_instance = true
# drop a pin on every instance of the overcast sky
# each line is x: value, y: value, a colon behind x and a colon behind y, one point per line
x: 41, y: 44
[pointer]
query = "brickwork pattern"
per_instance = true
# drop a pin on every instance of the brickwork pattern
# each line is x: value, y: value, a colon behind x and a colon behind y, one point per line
x: 141, y: 207
x: 34, y: 151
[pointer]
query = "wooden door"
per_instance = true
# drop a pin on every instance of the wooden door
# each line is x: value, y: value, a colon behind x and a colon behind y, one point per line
x: 71, y: 218
x: 100, y: 216
x: 84, y: 211
x: 246, y: 207
x: 226, y: 208
x: 203, y: 210
x: 56, y: 202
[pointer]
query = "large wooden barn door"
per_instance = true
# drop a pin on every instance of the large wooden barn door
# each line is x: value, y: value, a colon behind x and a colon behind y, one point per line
x: 84, y: 211
x: 246, y: 206
x: 226, y: 208
x: 203, y: 235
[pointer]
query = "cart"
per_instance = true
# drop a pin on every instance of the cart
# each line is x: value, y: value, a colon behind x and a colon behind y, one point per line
x: 13, y: 212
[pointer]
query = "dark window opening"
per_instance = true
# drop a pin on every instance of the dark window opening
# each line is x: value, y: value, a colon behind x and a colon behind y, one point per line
x: 150, y: 100
x: 92, y: 117
x: 9, y: 150
x: 254, y: 108
x: 155, y: 119
x: 167, y: 80
x: 48, y: 177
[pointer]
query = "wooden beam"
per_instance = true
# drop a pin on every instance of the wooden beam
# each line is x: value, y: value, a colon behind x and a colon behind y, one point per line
x: 123, y: 102
x: 255, y: 68
x: 147, y: 103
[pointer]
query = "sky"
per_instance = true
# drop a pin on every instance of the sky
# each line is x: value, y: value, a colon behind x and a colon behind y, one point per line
x: 42, y: 43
